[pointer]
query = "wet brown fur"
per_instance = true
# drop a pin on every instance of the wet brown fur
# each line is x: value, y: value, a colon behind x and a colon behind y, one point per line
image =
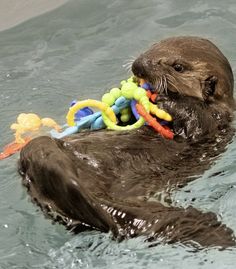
x: 122, y: 181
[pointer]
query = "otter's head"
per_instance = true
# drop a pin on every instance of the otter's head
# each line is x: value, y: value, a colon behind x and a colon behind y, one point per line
x: 190, y: 66
x: 193, y: 77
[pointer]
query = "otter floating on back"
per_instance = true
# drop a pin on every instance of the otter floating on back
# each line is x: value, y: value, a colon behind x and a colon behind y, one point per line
x: 122, y: 181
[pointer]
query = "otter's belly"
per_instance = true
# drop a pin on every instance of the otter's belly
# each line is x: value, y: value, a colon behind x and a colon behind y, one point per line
x: 120, y: 182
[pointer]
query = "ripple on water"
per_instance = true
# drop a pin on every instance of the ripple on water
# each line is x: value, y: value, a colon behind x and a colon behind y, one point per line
x: 100, y: 251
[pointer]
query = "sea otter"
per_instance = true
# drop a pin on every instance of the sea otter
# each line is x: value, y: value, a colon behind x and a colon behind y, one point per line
x: 122, y: 181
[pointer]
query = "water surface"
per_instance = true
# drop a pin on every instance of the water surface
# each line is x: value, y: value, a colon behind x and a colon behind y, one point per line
x: 78, y: 51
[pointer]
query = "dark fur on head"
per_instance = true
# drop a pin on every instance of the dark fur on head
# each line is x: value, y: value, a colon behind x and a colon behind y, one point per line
x: 192, y: 78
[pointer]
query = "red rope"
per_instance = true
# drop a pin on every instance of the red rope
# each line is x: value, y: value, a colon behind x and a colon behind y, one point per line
x: 164, y: 131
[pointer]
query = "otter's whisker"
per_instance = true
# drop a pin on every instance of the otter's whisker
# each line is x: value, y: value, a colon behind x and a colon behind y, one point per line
x: 170, y: 78
x: 171, y: 81
x: 128, y: 64
x: 133, y: 57
x: 165, y: 84
x: 129, y: 61
x: 160, y: 86
x: 128, y: 67
x: 173, y: 85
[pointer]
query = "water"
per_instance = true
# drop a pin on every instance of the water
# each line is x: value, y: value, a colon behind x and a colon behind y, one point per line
x: 78, y: 51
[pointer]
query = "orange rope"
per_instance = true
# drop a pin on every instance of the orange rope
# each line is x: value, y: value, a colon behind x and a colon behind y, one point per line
x: 152, y: 96
x: 164, y: 131
x: 13, y: 148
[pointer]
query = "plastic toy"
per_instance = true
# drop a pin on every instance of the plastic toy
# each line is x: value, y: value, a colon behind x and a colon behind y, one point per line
x: 89, y: 102
x: 92, y: 122
x: 131, y: 99
x: 26, y: 123
x: 118, y: 101
x: 29, y: 123
x: 12, y: 148
x: 86, y: 111
x: 130, y: 90
x: 165, y: 131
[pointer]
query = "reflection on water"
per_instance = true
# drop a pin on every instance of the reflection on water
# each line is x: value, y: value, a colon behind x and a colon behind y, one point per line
x: 78, y: 51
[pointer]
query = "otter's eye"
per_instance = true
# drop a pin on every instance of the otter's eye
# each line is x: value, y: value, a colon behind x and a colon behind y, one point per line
x: 178, y: 68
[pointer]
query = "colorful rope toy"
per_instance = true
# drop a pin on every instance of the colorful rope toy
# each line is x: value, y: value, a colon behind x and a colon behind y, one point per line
x: 130, y: 98
x: 117, y: 108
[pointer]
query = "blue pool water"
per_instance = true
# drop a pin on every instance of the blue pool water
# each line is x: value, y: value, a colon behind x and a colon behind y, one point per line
x: 78, y: 51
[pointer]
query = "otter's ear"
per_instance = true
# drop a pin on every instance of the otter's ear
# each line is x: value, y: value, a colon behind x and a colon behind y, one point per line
x: 209, y: 87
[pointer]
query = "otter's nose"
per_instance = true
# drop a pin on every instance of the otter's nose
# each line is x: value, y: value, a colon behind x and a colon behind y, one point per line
x: 140, y: 67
